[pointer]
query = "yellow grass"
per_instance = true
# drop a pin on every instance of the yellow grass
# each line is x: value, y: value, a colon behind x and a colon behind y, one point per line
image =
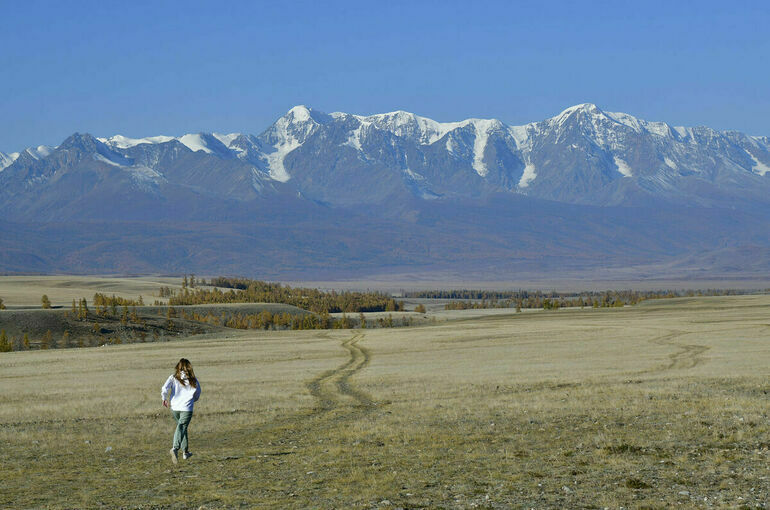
x: 658, y: 405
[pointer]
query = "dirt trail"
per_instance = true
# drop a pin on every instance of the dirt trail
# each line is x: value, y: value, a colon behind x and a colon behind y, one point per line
x: 333, y: 387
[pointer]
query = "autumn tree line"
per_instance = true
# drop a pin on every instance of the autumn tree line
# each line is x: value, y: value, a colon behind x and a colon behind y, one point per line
x: 477, y: 299
x: 243, y: 290
x: 267, y: 320
x: 605, y: 300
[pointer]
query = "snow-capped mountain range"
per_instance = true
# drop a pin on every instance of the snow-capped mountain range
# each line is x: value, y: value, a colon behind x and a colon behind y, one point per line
x: 583, y: 156
x: 350, y: 194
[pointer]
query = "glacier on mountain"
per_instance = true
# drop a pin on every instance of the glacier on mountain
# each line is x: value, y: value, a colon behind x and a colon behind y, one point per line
x: 527, y: 176
x: 759, y: 168
x: 623, y: 167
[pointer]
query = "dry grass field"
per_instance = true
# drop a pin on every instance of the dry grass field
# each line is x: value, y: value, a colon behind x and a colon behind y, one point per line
x: 20, y: 291
x: 660, y: 405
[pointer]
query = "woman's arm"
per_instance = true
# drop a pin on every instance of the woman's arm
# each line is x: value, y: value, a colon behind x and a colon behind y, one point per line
x: 167, y: 390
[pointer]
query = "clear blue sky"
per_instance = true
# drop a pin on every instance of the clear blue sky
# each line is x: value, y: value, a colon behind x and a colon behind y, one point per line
x: 142, y: 69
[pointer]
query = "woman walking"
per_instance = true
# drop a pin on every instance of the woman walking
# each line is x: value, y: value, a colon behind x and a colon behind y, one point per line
x: 184, y: 390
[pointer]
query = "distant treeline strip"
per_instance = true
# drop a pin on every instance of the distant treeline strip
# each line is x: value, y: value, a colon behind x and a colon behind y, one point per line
x: 473, y: 299
x: 280, y: 321
x: 253, y: 291
x: 524, y: 294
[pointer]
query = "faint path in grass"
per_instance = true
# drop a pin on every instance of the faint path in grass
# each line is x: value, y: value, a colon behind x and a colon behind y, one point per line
x: 337, y: 400
x: 686, y: 356
x: 333, y: 387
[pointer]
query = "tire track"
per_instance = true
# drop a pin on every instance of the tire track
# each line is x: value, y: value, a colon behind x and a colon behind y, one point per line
x: 687, y: 356
x: 333, y: 388
x: 337, y: 400
x: 360, y: 358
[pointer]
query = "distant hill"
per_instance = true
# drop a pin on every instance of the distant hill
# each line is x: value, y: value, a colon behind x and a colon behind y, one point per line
x: 341, y: 195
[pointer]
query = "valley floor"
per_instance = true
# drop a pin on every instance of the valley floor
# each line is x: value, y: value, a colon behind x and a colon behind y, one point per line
x: 657, y: 405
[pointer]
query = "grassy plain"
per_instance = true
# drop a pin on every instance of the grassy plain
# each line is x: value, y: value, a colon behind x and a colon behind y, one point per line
x: 25, y: 291
x: 658, y: 405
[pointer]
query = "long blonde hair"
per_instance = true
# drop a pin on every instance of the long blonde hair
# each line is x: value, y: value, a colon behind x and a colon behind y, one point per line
x: 185, y: 366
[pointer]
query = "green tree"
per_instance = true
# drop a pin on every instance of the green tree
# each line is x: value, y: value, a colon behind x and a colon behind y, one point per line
x: 25, y: 342
x: 2, y: 306
x: 362, y: 320
x: 74, y: 308
x: 45, y: 301
x: 65, y: 340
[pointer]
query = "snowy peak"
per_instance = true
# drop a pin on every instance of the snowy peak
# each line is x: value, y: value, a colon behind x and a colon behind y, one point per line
x: 287, y: 134
x: 299, y: 113
x: 210, y: 143
x: 204, y: 142
x: 590, y: 115
x: 226, y: 140
x: 408, y: 125
x: 423, y: 130
x: 577, y: 112
x: 124, y: 142
x: 581, y: 109
x: 7, y: 160
x: 298, y: 124
x: 302, y: 115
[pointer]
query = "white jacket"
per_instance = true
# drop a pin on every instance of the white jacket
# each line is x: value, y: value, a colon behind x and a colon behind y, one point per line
x: 183, y: 396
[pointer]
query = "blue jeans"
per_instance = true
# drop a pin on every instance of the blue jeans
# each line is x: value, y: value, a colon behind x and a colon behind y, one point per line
x: 182, y: 419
